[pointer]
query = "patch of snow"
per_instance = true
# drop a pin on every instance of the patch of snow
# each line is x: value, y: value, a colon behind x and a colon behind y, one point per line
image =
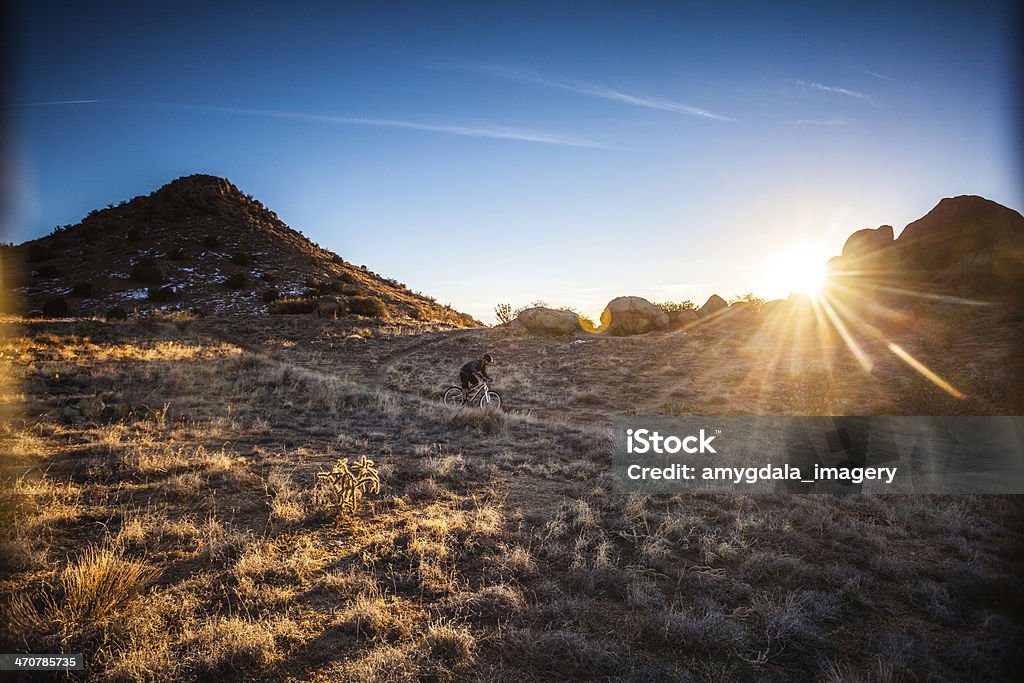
x: 136, y: 294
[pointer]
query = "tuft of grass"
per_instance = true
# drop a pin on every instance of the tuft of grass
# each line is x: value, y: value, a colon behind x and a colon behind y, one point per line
x: 98, y: 588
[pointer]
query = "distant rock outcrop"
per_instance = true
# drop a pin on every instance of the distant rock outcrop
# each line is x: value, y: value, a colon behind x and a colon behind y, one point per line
x: 627, y: 315
x: 713, y: 305
x: 548, y: 321
x: 965, y: 245
x: 867, y: 241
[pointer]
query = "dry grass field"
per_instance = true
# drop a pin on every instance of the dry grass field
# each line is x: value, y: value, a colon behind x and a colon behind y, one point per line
x: 183, y: 538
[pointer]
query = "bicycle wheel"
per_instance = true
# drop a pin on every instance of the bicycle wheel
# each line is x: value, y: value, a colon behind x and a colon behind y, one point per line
x: 490, y: 400
x: 453, y: 397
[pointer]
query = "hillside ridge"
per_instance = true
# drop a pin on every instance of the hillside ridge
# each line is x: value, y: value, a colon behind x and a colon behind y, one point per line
x: 197, y: 243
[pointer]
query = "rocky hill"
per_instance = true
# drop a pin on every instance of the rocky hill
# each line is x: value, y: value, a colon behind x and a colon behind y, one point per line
x: 966, y: 245
x: 197, y: 243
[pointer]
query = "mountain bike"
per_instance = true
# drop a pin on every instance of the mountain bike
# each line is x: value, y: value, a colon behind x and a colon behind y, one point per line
x: 481, y: 395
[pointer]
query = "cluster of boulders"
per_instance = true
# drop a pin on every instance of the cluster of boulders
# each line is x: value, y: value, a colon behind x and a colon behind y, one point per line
x: 624, y: 315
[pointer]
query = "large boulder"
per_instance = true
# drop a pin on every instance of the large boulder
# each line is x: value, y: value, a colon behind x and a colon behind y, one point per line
x: 330, y: 306
x: 958, y: 229
x: 548, y: 321
x: 682, y: 318
x: 713, y: 306
x: 632, y: 315
x: 867, y: 241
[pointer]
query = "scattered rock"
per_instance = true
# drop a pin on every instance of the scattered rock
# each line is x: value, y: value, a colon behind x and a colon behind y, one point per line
x: 548, y: 321
x: 114, y: 412
x: 682, y: 319
x: 713, y: 305
x: 90, y: 407
x: 70, y: 413
x: 626, y: 315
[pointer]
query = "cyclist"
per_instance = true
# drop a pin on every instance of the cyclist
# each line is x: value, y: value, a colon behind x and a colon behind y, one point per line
x: 474, y: 372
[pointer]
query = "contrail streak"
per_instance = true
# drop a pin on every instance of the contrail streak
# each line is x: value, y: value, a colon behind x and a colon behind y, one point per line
x: 47, y: 104
x: 598, y: 91
x: 493, y: 132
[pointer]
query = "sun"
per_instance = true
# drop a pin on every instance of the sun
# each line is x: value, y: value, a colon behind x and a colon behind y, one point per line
x: 798, y: 269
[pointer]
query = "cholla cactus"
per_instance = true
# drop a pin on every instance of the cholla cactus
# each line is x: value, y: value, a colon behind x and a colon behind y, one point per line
x: 342, y: 487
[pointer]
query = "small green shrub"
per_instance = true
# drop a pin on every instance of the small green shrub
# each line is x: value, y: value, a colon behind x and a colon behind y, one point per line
x: 504, y: 313
x: 370, y: 306
x: 240, y: 258
x: 270, y: 295
x: 82, y: 289
x: 177, y: 254
x: 673, y: 306
x: 211, y: 242
x: 48, y: 270
x: 133, y: 235
x: 293, y: 306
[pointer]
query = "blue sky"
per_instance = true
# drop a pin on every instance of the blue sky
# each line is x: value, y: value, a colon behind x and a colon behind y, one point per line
x: 486, y: 152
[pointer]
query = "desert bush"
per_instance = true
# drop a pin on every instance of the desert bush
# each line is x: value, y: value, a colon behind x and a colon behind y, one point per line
x: 347, y: 277
x: 450, y: 646
x: 672, y: 306
x: 116, y: 313
x: 236, y: 280
x: 267, y: 276
x: 98, y: 587
x: 269, y: 295
x: 755, y: 302
x: 148, y: 269
x: 56, y: 307
x: 370, y: 306
x: 342, y: 488
x: 211, y: 242
x: 293, y: 306
x: 49, y: 270
x: 230, y: 646
x: 240, y: 258
x: 39, y: 252
x: 504, y: 313
x: 133, y: 235
x: 82, y: 289
x: 418, y: 312
x: 176, y: 254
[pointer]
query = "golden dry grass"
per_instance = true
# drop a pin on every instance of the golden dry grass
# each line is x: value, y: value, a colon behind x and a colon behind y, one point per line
x: 495, y: 549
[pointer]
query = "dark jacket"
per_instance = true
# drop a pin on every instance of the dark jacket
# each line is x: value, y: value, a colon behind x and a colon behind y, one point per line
x: 474, y: 368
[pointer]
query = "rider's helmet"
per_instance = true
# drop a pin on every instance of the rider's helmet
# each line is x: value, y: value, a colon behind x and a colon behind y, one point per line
x: 487, y: 358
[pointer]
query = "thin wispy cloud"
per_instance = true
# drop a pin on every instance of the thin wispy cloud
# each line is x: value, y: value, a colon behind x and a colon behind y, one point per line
x: 881, y: 77
x: 481, y: 131
x: 593, y: 90
x: 50, y: 104
x: 834, y: 90
x: 821, y: 122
